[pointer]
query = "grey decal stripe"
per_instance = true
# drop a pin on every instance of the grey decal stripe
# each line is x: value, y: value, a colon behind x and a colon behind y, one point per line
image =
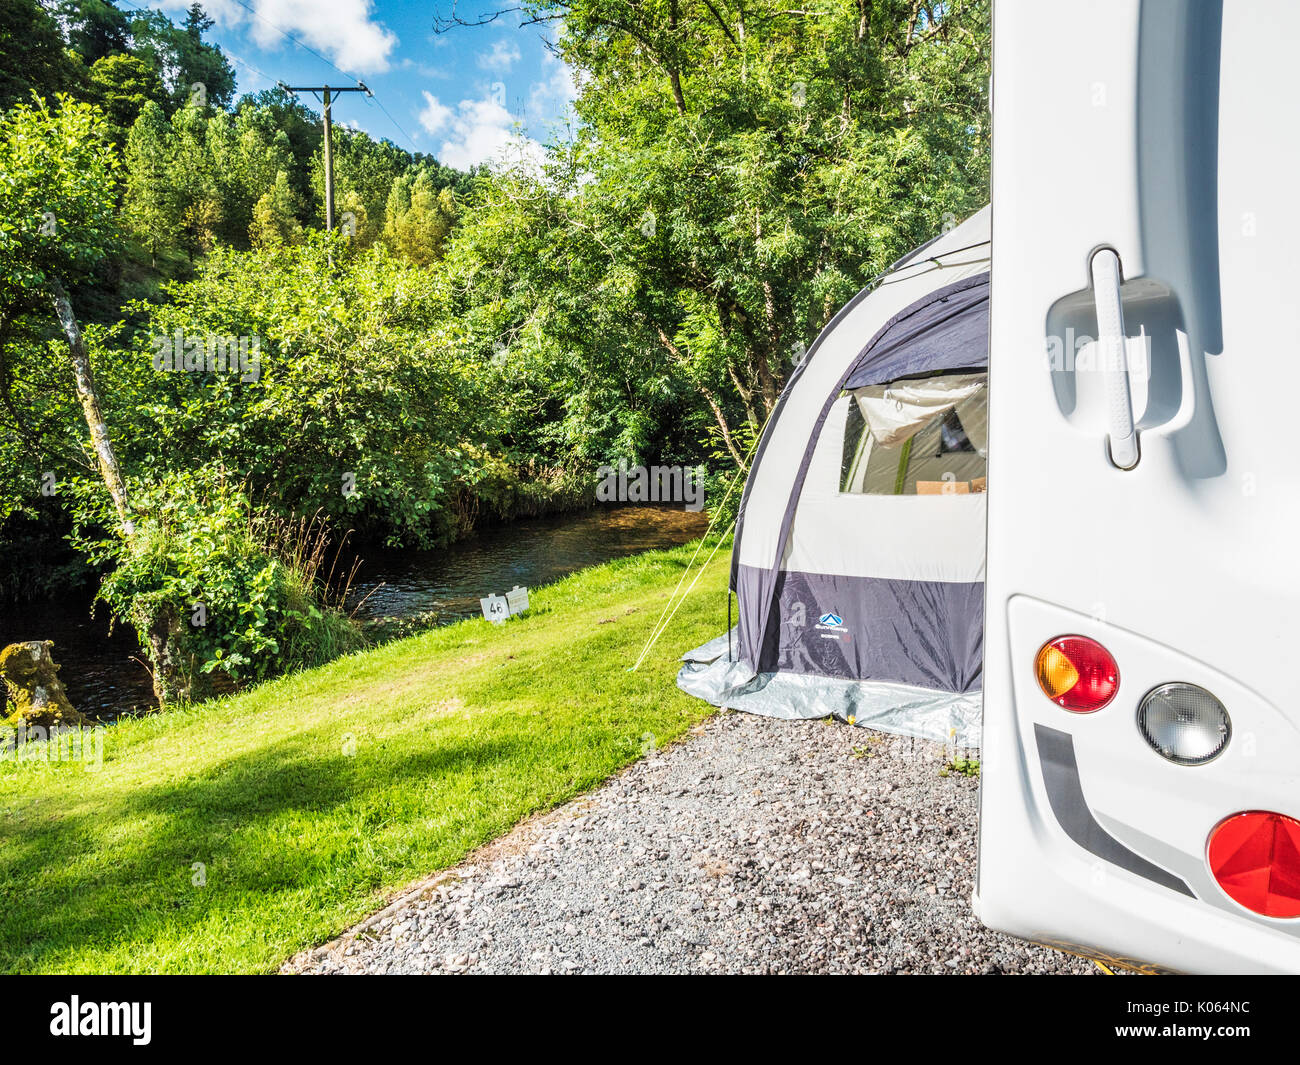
x: 1065, y: 793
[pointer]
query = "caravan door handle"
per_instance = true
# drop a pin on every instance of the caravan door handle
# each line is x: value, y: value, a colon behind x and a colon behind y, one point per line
x: 1121, y: 435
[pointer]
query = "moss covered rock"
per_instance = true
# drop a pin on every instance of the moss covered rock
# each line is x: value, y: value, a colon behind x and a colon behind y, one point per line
x: 34, y: 693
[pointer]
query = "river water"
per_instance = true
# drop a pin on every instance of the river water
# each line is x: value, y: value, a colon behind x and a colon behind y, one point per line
x: 104, y: 676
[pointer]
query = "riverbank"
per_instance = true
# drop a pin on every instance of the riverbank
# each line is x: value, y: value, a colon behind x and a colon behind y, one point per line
x: 104, y: 671
x: 226, y: 837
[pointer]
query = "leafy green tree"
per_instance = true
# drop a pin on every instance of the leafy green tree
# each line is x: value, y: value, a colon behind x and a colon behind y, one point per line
x: 184, y: 58
x: 301, y: 128
x: 354, y: 220
x: 95, y: 28
x: 418, y: 217
x: 364, y: 172
x: 349, y: 367
x: 740, y: 171
x: 31, y: 53
x: 153, y: 206
x: 275, y: 223
x: 196, y: 179
x: 121, y: 85
x: 57, y: 222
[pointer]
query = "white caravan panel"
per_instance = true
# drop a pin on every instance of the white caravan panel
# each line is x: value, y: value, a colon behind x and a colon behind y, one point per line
x: 1144, y: 493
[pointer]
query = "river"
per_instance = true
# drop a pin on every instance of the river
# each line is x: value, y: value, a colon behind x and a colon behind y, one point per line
x: 104, y: 675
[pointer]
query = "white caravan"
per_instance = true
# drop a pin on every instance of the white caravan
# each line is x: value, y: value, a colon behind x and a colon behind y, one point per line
x: 1141, y: 762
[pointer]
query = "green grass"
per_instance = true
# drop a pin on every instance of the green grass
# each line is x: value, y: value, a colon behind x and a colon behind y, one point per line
x: 457, y: 735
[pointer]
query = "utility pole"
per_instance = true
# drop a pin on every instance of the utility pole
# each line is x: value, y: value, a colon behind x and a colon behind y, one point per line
x: 324, y: 97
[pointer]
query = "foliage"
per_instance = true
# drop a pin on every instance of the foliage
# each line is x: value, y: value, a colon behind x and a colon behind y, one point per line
x: 351, y: 399
x: 418, y: 217
x: 470, y: 346
x: 365, y: 171
x: 122, y: 85
x: 740, y: 172
x: 58, y: 180
x: 32, y: 59
x: 183, y: 58
x: 57, y: 224
x: 154, y: 202
x: 966, y: 767
x: 274, y: 223
x: 212, y: 572
x: 94, y: 28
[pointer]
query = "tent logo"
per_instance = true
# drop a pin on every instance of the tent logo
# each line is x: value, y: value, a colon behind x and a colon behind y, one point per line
x: 831, y: 627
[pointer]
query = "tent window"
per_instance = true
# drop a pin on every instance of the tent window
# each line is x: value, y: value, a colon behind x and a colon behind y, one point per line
x: 917, y: 437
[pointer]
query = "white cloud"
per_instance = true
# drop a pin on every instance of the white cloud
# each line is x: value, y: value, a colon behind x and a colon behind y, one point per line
x: 435, y: 115
x: 505, y: 54
x: 475, y: 132
x: 343, y: 30
x: 550, y: 98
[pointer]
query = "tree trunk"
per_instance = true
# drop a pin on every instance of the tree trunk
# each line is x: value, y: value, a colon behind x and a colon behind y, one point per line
x: 721, y: 419
x: 674, y: 74
x: 89, y: 396
x: 718, y: 414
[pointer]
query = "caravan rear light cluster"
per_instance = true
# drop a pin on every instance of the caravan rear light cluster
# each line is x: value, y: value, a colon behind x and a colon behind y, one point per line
x: 1185, y: 723
x: 1255, y: 857
x: 1077, y: 673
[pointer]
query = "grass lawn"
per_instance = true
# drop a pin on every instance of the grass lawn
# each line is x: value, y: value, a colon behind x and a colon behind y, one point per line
x: 310, y: 799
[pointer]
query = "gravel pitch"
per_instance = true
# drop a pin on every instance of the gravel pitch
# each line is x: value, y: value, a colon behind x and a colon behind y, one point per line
x: 753, y: 846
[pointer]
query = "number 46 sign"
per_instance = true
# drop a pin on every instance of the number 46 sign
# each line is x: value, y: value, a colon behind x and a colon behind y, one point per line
x: 497, y: 608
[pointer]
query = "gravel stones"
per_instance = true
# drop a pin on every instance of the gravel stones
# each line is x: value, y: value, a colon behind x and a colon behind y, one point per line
x: 753, y: 846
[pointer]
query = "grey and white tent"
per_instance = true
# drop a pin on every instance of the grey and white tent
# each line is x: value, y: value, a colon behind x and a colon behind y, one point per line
x: 858, y: 562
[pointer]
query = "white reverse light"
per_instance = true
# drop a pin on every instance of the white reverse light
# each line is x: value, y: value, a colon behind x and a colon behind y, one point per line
x: 1184, y: 723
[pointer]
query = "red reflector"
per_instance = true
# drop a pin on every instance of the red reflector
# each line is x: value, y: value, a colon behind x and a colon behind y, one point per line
x: 1255, y: 857
x: 1077, y: 673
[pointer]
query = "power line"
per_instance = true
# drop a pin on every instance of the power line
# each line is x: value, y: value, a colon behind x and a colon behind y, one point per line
x: 249, y: 66
x: 409, y: 138
x: 291, y: 38
x: 294, y: 40
x: 306, y: 47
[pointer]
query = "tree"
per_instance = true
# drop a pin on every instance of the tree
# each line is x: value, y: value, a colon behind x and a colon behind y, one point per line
x: 95, y: 28
x: 153, y: 205
x: 196, y: 180
x: 248, y: 154
x: 740, y: 171
x: 302, y: 130
x: 274, y: 220
x: 31, y: 53
x: 184, y: 59
x: 418, y: 217
x: 57, y: 221
x: 122, y: 85
x: 201, y: 63
x: 364, y: 172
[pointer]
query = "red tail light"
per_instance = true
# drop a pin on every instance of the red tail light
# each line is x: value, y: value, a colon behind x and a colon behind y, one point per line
x: 1255, y: 857
x: 1077, y: 673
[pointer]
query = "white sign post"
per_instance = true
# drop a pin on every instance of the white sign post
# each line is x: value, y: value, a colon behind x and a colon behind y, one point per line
x: 495, y: 609
x: 517, y: 599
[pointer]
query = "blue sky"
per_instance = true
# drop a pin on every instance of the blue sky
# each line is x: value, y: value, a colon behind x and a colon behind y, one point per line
x: 460, y: 95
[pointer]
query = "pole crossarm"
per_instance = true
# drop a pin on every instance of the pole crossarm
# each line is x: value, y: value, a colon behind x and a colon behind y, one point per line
x: 325, y: 91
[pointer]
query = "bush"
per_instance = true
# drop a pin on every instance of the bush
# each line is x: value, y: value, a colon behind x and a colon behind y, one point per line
x: 220, y: 592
